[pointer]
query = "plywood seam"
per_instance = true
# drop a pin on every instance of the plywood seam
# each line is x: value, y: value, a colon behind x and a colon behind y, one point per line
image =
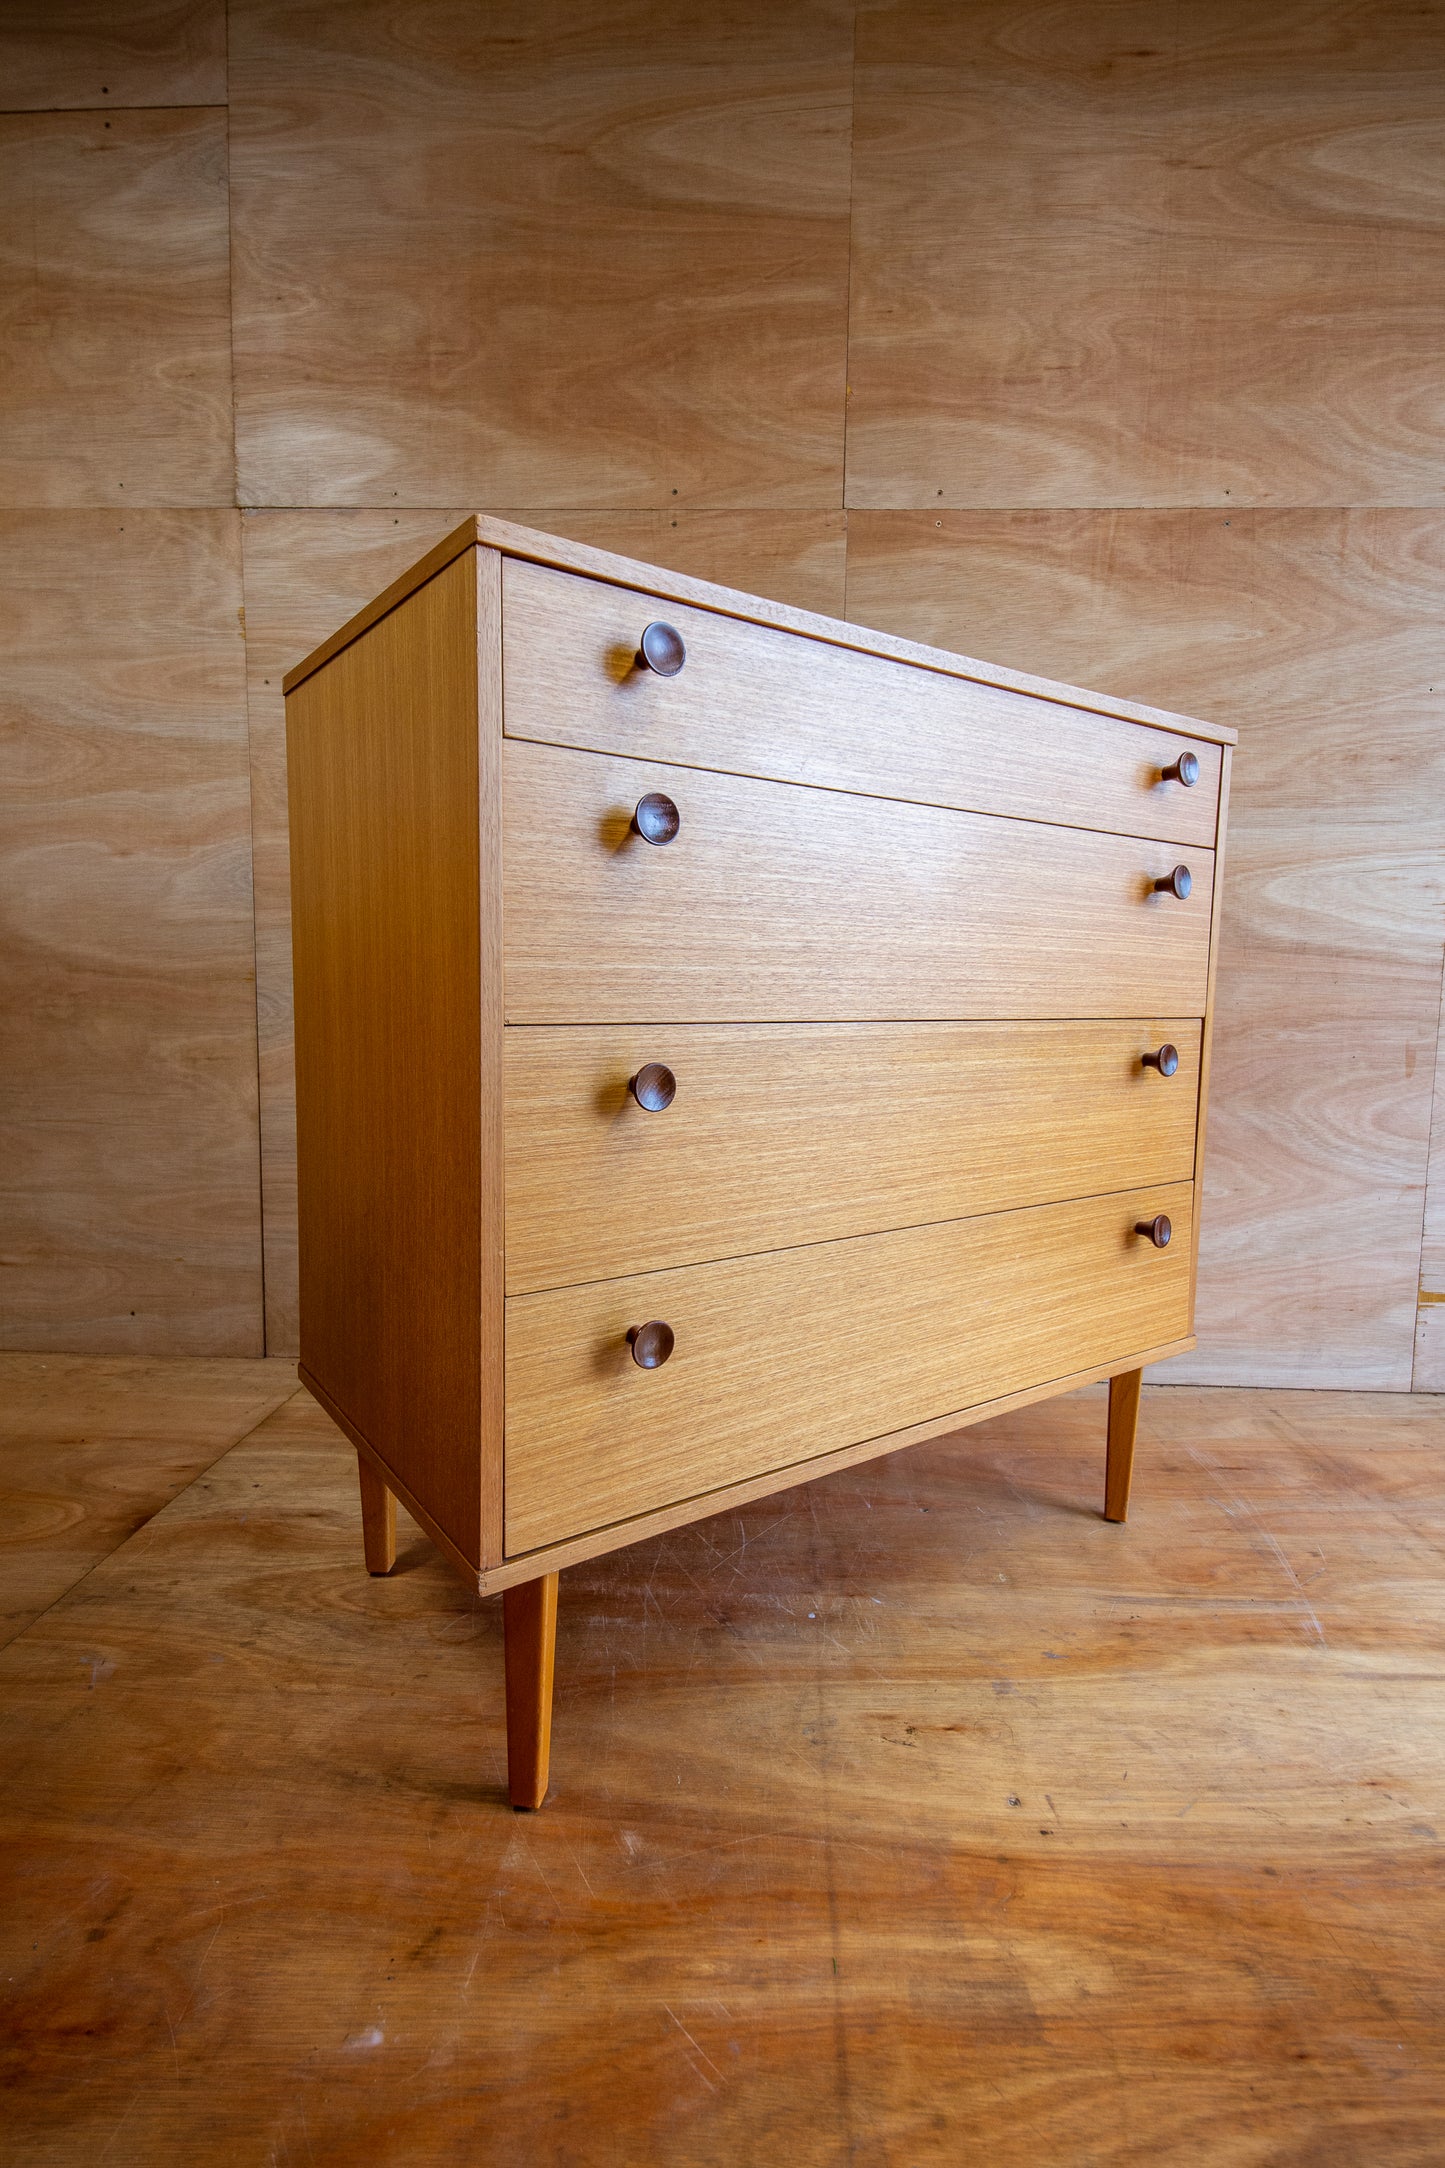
x: 251, y: 759
x: 255, y: 957
x: 848, y: 286
x: 1428, y: 1299
x: 162, y: 1503
x: 27, y: 112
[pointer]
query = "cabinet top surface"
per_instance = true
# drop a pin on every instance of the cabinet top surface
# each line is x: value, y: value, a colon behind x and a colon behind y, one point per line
x: 595, y: 564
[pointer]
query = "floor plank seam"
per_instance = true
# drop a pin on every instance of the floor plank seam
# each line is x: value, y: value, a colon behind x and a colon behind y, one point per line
x: 81, y: 1578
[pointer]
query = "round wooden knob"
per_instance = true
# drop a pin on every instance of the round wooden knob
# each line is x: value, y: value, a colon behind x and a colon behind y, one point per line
x: 1166, y: 1061
x: 657, y: 819
x: 1178, y: 883
x: 662, y: 650
x: 1185, y: 770
x: 654, y: 1086
x: 651, y: 1344
x: 1158, y: 1231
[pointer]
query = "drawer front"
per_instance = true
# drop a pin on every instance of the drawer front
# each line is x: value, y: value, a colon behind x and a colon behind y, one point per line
x: 758, y: 701
x: 780, y: 1134
x: 776, y: 903
x: 799, y: 1352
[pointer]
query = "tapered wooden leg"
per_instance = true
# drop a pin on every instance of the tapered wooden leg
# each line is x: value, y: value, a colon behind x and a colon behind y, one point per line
x: 378, y: 1519
x: 529, y: 1623
x: 1123, y: 1423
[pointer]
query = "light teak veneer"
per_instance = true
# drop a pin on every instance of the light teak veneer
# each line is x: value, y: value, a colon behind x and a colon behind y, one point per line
x: 722, y: 1055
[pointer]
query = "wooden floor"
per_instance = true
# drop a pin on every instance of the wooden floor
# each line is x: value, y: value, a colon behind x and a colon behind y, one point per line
x: 916, y: 1816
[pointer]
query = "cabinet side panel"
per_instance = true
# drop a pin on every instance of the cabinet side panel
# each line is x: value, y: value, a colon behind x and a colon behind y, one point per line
x: 382, y: 745
x: 489, y: 921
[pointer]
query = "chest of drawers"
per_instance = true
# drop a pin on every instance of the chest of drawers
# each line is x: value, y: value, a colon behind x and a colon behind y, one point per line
x: 730, y: 1044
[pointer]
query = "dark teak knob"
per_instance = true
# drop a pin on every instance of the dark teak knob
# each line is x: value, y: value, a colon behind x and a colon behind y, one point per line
x: 1185, y: 770
x: 657, y: 819
x: 1158, y: 1231
x: 662, y: 650
x: 1166, y: 1061
x: 653, y: 1087
x: 1178, y: 883
x: 651, y: 1344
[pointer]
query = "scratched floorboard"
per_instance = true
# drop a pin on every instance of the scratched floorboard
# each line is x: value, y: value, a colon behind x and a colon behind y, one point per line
x: 913, y: 1817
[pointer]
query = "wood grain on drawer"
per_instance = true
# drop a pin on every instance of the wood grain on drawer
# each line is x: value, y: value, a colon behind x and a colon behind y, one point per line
x: 788, y: 1355
x: 789, y: 1133
x: 759, y: 701
x: 777, y: 903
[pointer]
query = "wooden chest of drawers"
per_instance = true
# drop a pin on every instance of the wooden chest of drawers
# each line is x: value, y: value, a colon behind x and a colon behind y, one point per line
x: 730, y: 1044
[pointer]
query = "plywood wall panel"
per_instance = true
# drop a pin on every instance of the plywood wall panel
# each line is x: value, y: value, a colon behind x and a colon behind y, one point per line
x: 1311, y: 1209
x: 1429, y: 1376
x: 796, y: 557
x: 584, y: 252
x: 107, y: 53
x: 129, y: 1153
x: 1124, y: 253
x: 115, y: 309
x: 1273, y: 622
x: 306, y: 573
x: 590, y: 264
x: 1313, y: 633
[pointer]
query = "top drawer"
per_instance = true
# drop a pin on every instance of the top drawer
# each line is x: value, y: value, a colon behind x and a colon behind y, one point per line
x: 754, y: 700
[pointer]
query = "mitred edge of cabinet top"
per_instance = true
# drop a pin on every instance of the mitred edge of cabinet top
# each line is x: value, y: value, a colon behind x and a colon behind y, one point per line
x: 565, y: 556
